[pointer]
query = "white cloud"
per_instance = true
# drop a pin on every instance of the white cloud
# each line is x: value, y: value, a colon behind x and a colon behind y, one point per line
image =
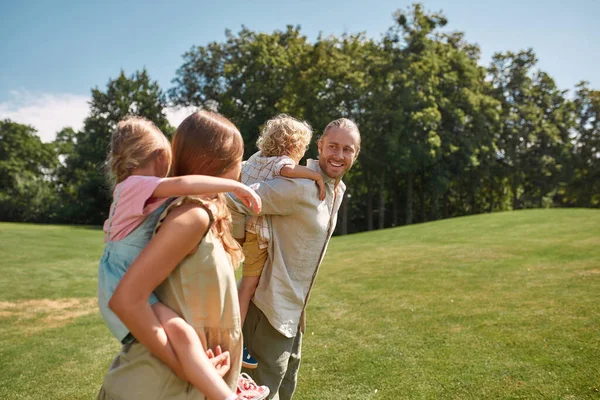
x: 48, y: 113
x: 176, y: 115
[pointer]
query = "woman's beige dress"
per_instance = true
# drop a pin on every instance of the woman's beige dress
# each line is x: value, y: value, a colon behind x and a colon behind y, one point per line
x: 202, y: 289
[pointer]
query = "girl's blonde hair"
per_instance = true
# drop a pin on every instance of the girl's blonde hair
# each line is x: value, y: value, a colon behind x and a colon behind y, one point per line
x: 284, y: 136
x: 206, y: 143
x: 135, y: 142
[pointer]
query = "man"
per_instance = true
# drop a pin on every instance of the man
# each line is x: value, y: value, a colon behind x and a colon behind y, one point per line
x: 301, y: 226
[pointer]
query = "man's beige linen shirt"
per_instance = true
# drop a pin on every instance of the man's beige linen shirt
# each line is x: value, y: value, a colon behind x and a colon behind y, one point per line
x: 300, y: 226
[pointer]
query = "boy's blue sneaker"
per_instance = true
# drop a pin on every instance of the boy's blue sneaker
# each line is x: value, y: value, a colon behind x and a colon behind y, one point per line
x: 248, y: 361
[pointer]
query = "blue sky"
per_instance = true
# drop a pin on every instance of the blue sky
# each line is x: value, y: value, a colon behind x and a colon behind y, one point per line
x: 54, y: 52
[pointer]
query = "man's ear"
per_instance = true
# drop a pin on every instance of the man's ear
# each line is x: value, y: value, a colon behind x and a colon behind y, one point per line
x: 320, y: 145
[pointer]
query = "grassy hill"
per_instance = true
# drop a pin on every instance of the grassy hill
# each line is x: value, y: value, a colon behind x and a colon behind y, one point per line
x: 496, y: 306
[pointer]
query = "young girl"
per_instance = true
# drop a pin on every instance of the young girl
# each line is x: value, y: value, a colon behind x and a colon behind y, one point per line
x: 139, y: 161
x: 282, y: 144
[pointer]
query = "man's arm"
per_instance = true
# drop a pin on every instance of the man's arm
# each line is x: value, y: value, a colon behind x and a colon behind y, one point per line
x: 300, y: 171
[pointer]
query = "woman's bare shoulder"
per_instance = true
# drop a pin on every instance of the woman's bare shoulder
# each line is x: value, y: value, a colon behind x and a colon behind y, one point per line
x: 188, y: 218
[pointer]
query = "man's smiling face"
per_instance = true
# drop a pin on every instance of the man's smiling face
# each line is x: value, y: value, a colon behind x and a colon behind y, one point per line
x: 338, y: 148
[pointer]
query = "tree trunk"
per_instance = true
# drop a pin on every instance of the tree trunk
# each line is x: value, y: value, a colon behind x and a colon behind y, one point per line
x: 382, y: 202
x: 445, y: 210
x: 491, y: 199
x: 514, y: 188
x: 409, y: 198
x: 435, y: 201
x: 344, y: 213
x: 462, y: 201
x: 422, y: 200
x: 369, y: 209
x: 395, y: 205
x: 473, y: 195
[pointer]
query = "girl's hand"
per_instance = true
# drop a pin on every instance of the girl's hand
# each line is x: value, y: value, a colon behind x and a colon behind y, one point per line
x: 249, y: 197
x: 220, y: 360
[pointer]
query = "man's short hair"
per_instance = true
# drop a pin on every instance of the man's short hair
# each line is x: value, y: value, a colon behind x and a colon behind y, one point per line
x: 343, y: 123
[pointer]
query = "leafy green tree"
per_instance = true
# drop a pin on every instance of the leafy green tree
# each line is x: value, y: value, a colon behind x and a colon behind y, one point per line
x: 550, y: 143
x: 583, y: 187
x: 84, y: 185
x: 535, y: 124
x: 417, y: 119
x: 249, y: 78
x: 26, y: 167
x: 64, y: 143
x: 441, y: 135
x: 469, y: 119
x: 346, y: 78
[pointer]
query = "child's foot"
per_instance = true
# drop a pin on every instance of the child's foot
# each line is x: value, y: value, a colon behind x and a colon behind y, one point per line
x: 248, y: 361
x: 249, y: 390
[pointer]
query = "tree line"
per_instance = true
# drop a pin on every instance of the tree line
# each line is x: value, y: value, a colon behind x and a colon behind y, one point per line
x: 442, y: 135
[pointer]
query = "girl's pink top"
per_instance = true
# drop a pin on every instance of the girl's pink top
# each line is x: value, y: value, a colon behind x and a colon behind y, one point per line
x: 132, y: 202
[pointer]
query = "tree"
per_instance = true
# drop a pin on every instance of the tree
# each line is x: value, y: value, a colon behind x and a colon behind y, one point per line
x: 441, y: 135
x: 26, y: 166
x: 346, y: 78
x: 417, y: 120
x: 84, y: 187
x: 249, y: 78
x: 534, y: 127
x: 469, y: 119
x: 583, y: 189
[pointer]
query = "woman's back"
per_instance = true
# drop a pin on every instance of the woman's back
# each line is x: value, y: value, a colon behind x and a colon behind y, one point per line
x: 202, y: 290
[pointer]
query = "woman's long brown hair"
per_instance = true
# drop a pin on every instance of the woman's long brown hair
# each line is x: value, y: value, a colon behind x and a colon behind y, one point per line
x: 206, y: 143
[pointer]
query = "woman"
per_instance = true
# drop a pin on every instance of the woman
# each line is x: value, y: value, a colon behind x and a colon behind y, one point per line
x: 189, y: 265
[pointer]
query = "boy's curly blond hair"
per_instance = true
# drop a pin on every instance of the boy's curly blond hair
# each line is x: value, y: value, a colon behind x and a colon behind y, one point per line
x: 284, y: 136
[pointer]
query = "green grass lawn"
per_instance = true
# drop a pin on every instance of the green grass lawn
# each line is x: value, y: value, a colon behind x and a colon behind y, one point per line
x: 497, y: 306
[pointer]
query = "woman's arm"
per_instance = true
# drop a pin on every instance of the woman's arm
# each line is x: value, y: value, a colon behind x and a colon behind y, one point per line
x: 178, y: 236
x: 201, y: 184
x: 201, y: 371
